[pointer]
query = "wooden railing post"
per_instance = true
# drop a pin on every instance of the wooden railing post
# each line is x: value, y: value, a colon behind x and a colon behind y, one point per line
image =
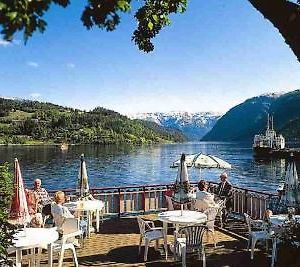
x: 246, y: 201
x: 119, y: 207
x: 144, y: 199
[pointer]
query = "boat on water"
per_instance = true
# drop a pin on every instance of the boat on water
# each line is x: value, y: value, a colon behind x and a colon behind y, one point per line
x: 272, y: 145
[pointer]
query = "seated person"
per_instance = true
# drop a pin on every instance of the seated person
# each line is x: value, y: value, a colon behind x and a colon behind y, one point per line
x: 204, y: 199
x: 44, y: 204
x: 58, y: 211
x: 32, y: 201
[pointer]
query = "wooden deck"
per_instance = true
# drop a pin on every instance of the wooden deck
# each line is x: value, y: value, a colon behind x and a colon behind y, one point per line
x: 117, y: 245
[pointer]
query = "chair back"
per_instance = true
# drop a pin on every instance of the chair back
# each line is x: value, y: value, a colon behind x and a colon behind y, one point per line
x: 194, y: 236
x: 248, y: 222
x: 200, y: 205
x: 70, y: 225
x: 70, y: 229
x: 222, y: 204
x: 211, y: 217
x: 142, y: 225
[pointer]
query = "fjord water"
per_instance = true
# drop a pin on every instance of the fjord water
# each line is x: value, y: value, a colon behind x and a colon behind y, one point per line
x: 122, y: 165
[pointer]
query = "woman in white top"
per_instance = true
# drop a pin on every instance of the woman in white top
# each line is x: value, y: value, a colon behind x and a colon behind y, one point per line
x: 60, y: 212
x: 204, y: 199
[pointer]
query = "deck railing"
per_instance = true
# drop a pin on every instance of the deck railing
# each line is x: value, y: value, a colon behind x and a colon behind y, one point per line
x: 127, y: 200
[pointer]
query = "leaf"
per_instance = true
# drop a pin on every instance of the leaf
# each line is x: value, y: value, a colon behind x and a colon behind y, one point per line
x: 2, y: 6
x: 155, y: 17
x: 150, y: 25
x: 12, y: 15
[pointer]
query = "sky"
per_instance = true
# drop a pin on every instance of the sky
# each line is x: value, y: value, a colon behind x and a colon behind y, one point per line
x: 214, y: 56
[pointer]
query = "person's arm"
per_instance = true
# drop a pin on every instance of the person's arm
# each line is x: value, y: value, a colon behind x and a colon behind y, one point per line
x: 229, y: 188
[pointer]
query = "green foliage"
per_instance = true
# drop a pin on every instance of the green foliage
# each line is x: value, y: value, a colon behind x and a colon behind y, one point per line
x: 50, y: 123
x: 291, y: 130
x: 27, y: 16
x: 6, y: 189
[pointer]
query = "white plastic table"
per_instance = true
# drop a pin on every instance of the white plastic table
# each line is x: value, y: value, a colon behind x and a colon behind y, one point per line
x: 178, y: 217
x: 278, y: 220
x: 88, y: 206
x: 31, y: 238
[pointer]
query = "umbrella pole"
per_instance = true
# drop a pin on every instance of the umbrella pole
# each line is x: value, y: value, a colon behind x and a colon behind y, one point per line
x: 181, y: 208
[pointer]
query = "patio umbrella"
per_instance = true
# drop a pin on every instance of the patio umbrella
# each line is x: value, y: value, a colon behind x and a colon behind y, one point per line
x: 291, y: 198
x: 182, y: 190
x: 83, y: 178
x: 201, y: 161
x: 19, y: 213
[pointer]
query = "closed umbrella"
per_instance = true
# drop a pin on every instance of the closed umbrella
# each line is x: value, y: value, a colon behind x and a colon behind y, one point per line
x: 182, y: 189
x: 291, y: 197
x: 83, y: 178
x: 19, y: 213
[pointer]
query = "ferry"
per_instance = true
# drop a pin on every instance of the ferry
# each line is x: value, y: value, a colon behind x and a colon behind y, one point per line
x: 272, y: 145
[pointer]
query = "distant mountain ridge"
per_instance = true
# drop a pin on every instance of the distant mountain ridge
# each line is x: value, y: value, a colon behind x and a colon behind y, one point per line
x: 193, y: 125
x: 245, y: 120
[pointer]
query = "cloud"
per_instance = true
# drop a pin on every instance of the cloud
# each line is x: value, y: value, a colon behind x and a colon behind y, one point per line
x: 4, y: 43
x: 70, y: 65
x: 35, y: 95
x: 32, y: 64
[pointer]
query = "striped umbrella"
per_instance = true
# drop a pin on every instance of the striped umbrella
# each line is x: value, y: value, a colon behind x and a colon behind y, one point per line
x: 19, y: 213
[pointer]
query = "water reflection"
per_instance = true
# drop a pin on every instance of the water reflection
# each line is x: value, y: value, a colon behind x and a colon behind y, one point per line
x: 119, y: 165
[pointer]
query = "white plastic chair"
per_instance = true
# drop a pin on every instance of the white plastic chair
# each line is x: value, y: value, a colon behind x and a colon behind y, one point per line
x: 255, y: 236
x: 189, y: 239
x: 150, y: 233
x: 70, y: 230
x: 222, y: 207
x: 211, y: 218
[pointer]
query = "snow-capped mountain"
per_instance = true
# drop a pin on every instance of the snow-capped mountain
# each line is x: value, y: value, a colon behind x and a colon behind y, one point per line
x: 193, y: 125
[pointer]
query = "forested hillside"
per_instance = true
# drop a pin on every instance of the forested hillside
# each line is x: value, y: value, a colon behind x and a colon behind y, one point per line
x: 23, y: 121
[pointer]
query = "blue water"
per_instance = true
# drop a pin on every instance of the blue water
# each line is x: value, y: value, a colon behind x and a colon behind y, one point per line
x: 121, y: 165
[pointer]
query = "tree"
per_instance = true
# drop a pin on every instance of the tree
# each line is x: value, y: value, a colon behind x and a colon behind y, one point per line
x: 6, y: 190
x: 152, y: 15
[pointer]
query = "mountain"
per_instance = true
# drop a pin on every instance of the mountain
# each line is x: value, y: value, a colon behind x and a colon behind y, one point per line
x: 193, y: 125
x: 245, y: 120
x: 25, y: 121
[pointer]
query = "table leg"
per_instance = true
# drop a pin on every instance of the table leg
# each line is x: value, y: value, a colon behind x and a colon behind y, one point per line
x: 89, y: 223
x: 97, y: 220
x: 18, y: 258
x: 31, y: 257
x: 50, y: 255
x: 165, y: 232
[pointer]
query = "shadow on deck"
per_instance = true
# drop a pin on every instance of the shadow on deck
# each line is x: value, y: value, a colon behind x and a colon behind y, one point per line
x: 117, y: 245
